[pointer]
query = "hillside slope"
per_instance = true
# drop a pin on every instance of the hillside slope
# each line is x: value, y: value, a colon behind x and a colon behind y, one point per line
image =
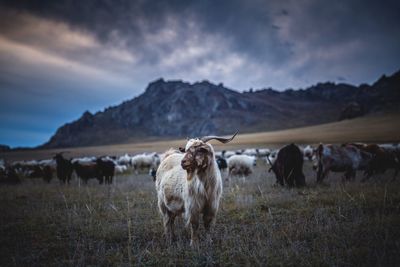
x: 176, y: 109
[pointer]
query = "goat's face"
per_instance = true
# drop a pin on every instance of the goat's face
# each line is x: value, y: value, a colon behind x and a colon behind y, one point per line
x: 197, y: 157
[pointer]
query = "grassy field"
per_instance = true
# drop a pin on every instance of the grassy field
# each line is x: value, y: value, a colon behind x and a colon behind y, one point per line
x: 334, y: 224
x: 383, y: 128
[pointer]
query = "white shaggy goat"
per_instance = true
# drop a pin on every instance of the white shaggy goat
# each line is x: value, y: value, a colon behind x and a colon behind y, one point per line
x: 2, y: 165
x: 270, y: 159
x: 119, y: 169
x: 308, y: 152
x: 241, y: 164
x: 145, y: 161
x: 124, y: 160
x: 189, y: 182
x: 228, y: 154
x: 263, y: 152
x: 84, y: 160
x: 250, y: 152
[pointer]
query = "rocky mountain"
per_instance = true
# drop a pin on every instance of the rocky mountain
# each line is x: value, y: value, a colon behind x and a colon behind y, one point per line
x: 179, y: 109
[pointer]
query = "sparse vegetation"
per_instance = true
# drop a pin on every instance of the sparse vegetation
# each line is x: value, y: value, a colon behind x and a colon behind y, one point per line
x: 259, y: 224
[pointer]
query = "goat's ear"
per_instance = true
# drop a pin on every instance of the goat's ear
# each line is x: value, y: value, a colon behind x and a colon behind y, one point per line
x: 204, y: 149
x: 181, y: 149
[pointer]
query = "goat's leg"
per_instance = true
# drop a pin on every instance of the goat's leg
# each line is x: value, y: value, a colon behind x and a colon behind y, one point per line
x: 322, y: 175
x: 168, y: 221
x: 194, y: 223
x: 208, y: 219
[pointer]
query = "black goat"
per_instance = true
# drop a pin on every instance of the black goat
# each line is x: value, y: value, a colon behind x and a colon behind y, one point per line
x: 64, y: 168
x: 106, y: 170
x: 87, y: 171
x: 288, y: 166
x: 9, y: 176
x: 222, y: 164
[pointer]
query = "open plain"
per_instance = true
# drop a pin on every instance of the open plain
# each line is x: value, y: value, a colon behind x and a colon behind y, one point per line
x: 259, y: 223
x: 332, y: 224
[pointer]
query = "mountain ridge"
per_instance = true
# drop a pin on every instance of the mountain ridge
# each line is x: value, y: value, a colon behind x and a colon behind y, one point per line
x: 169, y: 109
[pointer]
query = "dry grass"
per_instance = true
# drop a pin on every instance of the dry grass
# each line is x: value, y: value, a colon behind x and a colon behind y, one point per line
x: 259, y: 224
x: 384, y: 128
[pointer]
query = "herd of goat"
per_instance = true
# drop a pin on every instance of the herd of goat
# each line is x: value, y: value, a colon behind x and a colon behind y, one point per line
x: 286, y: 163
x: 188, y: 180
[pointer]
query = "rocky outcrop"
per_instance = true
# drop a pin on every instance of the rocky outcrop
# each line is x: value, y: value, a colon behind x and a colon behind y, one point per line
x: 179, y: 109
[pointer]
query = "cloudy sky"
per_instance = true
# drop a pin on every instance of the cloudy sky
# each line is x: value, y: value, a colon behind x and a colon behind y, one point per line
x: 60, y: 58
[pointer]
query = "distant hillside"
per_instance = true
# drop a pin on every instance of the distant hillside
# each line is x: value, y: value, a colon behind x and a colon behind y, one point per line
x: 178, y: 109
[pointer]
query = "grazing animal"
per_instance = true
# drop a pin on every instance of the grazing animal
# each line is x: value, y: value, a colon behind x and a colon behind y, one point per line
x: 87, y: 170
x: 64, y: 168
x: 145, y: 161
x: 2, y: 165
x: 263, y: 152
x: 222, y: 164
x: 270, y: 159
x: 383, y: 158
x: 241, y: 164
x: 153, y: 173
x: 9, y: 176
x: 83, y: 160
x: 228, y: 154
x: 345, y: 158
x: 47, y: 173
x: 288, y: 166
x: 48, y: 167
x: 390, y: 147
x: 106, y: 168
x: 124, y: 160
x: 308, y: 152
x: 250, y: 152
x: 190, y: 182
x: 41, y: 171
x: 120, y: 168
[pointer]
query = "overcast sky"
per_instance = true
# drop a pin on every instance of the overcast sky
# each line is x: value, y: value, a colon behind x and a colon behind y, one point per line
x: 60, y: 58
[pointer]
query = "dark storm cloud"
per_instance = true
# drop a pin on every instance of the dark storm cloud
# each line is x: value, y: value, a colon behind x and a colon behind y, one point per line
x: 60, y: 58
x: 266, y: 32
x: 247, y: 24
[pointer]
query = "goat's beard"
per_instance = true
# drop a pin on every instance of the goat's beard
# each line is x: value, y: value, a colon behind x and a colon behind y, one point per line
x: 190, y: 174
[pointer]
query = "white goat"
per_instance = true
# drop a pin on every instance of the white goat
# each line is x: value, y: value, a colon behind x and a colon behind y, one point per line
x: 145, y: 161
x: 308, y: 153
x: 241, y: 164
x: 118, y: 169
x: 263, y: 152
x: 2, y: 165
x: 270, y: 159
x: 190, y: 182
x: 84, y: 160
x: 250, y: 151
x: 124, y: 160
x: 228, y: 154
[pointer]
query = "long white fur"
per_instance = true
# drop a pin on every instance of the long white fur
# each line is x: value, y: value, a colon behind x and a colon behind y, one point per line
x: 178, y: 194
x: 145, y: 160
x: 241, y: 161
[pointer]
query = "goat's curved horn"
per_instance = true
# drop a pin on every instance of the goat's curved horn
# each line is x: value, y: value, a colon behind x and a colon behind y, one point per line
x: 221, y: 139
